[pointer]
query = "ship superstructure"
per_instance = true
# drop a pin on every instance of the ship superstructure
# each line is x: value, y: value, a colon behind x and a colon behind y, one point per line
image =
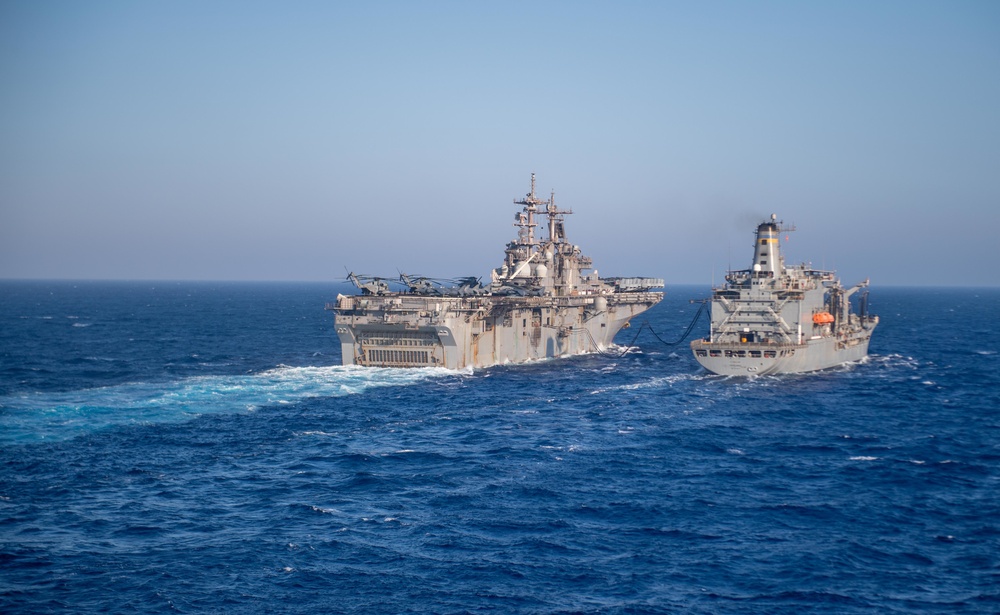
x: 545, y: 300
x: 773, y: 319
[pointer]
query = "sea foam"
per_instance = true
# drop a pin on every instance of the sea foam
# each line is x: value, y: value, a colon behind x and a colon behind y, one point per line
x: 59, y: 416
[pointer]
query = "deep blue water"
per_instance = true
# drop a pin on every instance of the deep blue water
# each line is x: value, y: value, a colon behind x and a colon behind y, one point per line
x: 197, y: 448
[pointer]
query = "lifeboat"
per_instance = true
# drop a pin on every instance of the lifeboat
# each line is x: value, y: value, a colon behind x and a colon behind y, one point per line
x: 822, y: 318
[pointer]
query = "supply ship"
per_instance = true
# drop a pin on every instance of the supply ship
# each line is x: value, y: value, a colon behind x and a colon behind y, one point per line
x: 772, y: 319
x: 546, y: 300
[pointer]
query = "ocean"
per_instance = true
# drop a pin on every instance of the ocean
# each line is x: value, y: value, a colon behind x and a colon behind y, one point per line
x: 197, y: 447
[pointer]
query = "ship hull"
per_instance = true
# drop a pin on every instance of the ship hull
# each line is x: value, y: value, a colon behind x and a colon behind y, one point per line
x: 773, y: 319
x: 749, y: 359
x: 457, y: 333
x: 546, y: 300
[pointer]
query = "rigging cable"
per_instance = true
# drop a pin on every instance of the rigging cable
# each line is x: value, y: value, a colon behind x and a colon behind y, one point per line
x: 645, y: 324
x: 617, y: 355
x: 687, y: 331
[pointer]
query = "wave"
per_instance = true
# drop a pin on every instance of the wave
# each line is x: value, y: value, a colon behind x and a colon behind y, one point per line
x: 656, y: 382
x: 36, y: 417
x: 893, y: 361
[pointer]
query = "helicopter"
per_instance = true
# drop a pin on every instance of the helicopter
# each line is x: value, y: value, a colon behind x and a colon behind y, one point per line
x: 445, y: 287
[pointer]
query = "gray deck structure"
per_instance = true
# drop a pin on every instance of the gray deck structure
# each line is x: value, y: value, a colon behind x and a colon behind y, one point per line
x: 772, y: 319
x: 544, y: 301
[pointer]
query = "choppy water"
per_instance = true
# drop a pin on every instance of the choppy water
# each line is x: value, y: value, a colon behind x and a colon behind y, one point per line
x: 197, y: 448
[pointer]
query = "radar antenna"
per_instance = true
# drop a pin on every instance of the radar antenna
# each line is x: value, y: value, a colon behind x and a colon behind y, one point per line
x: 526, y: 221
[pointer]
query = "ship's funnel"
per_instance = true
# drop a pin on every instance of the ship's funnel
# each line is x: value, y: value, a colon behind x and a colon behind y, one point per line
x: 767, y: 254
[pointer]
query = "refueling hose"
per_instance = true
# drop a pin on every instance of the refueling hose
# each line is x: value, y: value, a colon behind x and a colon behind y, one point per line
x: 645, y: 325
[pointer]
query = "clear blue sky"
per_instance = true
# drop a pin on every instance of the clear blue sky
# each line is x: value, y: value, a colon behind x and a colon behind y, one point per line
x: 288, y: 140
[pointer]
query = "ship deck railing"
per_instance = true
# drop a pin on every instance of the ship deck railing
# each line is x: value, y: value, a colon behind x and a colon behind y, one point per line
x: 744, y: 345
x: 420, y: 303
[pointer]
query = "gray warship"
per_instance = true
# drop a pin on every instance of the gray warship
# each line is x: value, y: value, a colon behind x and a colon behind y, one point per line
x: 772, y: 319
x: 546, y: 300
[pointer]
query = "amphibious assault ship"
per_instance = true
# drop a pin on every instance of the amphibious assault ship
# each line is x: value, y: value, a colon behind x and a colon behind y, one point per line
x: 544, y: 301
x: 772, y: 319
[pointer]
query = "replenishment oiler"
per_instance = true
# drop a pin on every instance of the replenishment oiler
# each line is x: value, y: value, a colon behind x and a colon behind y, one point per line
x: 772, y: 319
x: 546, y: 300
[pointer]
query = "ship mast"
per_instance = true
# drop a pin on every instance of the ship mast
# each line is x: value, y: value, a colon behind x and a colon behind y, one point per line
x: 526, y: 221
x: 557, y: 232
